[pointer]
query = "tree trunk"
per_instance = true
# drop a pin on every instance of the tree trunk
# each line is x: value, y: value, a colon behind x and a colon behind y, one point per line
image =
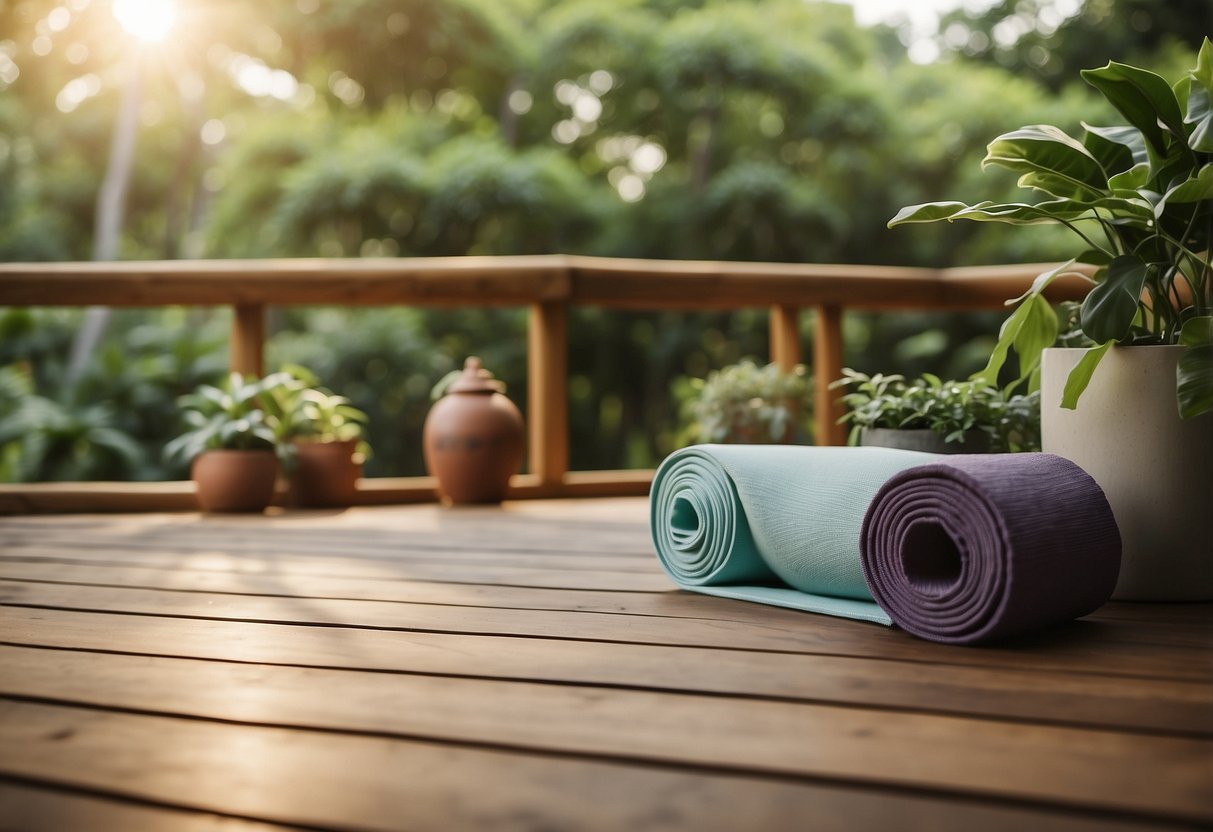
x: 111, y: 209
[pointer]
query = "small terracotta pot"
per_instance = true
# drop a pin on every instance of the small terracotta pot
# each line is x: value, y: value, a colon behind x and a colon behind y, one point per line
x: 235, y: 480
x: 473, y: 439
x: 325, y: 474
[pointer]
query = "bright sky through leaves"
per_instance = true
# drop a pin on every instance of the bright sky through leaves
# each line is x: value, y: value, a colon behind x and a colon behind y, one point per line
x: 922, y: 17
x: 148, y: 20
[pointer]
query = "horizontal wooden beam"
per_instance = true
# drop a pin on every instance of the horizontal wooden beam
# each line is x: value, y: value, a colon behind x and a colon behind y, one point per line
x: 437, y: 281
x: 691, y: 284
x: 991, y: 286
x: 518, y: 281
x: 107, y: 497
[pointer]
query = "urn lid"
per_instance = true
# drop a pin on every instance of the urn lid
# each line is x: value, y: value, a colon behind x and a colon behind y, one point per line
x: 475, y: 379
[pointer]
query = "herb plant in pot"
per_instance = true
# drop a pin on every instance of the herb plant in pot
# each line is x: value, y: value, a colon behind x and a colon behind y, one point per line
x: 746, y: 404
x: 230, y: 445
x: 1136, y: 408
x: 321, y: 440
x: 942, y: 417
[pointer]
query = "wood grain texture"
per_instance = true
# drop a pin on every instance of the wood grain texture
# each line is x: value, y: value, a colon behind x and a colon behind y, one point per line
x: 547, y: 392
x: 246, y: 347
x: 30, y: 808
x: 428, y: 281
x: 827, y: 367
x: 373, y: 782
x: 1079, y: 767
x: 529, y: 666
x: 518, y: 281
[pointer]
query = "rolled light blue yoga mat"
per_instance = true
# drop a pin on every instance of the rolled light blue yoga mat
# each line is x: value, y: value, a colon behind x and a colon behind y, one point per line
x: 776, y: 524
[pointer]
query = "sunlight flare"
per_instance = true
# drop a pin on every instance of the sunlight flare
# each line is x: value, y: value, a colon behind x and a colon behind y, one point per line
x: 148, y: 20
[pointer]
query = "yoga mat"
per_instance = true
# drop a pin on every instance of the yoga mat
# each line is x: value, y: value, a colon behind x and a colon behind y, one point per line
x: 776, y: 524
x: 986, y: 546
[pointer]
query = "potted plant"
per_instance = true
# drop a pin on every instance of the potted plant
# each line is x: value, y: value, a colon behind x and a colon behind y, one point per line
x: 229, y: 444
x: 747, y: 404
x: 320, y: 436
x: 1139, y: 196
x: 943, y: 417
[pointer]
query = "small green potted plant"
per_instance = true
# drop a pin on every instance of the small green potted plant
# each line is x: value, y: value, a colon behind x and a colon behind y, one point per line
x: 321, y: 440
x: 943, y: 417
x: 229, y: 444
x: 1139, y: 196
x: 745, y: 403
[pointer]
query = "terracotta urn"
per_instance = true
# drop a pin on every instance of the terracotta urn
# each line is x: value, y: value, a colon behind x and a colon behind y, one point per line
x: 228, y: 480
x: 325, y: 474
x: 473, y: 438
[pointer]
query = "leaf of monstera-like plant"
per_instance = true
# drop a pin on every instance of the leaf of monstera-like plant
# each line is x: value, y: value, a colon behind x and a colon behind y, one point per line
x: 1110, y: 307
x: 1116, y: 148
x: 1194, y: 374
x: 928, y: 212
x: 1049, y: 160
x: 1080, y: 376
x: 1200, y: 101
x: 1142, y: 97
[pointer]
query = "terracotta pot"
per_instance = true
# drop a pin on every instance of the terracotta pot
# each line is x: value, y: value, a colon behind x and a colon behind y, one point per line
x: 975, y: 441
x: 235, y: 480
x: 1155, y: 468
x: 325, y: 474
x: 473, y: 439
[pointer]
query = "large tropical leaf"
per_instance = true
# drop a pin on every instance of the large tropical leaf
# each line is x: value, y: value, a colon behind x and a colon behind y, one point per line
x: 1049, y: 160
x: 1116, y: 148
x: 1142, y: 97
x: 1197, y: 332
x: 1198, y: 188
x: 1021, y: 213
x: 1080, y: 376
x: 1131, y: 180
x: 1194, y: 381
x: 1200, y: 101
x: 1109, y: 308
x: 1026, y: 329
x: 927, y: 212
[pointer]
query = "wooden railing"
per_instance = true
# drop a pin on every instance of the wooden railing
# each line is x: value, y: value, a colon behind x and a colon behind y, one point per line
x: 548, y: 286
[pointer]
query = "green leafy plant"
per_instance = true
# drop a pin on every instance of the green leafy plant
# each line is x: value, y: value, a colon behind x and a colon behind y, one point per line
x: 744, y: 403
x: 1140, y: 197
x: 949, y: 408
x: 239, y: 415
x: 44, y: 439
x: 302, y: 410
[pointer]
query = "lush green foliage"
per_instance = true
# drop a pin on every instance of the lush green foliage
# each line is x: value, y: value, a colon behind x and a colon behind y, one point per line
x: 744, y: 403
x: 300, y: 410
x: 949, y: 408
x: 1140, y: 196
x: 236, y: 416
x: 734, y: 129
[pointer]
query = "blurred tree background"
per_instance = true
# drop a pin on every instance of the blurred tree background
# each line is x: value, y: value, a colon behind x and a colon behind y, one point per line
x: 707, y: 129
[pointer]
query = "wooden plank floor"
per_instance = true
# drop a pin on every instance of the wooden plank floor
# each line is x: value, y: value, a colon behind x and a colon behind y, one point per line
x: 531, y: 668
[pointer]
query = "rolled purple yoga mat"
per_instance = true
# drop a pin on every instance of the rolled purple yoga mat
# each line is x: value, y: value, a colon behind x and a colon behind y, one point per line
x: 984, y: 546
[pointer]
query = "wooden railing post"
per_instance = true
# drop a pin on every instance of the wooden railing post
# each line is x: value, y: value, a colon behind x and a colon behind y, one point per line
x: 785, y: 336
x: 248, y: 340
x: 827, y: 366
x: 547, y: 392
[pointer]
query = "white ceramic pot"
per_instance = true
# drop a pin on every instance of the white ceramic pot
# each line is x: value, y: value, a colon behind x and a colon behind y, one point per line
x: 1155, y: 468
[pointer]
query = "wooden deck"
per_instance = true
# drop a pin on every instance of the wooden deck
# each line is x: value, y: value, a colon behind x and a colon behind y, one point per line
x: 530, y: 668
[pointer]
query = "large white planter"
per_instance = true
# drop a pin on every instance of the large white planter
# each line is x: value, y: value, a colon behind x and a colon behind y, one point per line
x: 1156, y: 469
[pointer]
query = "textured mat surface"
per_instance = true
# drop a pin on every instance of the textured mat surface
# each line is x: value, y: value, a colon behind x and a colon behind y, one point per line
x: 775, y: 524
x: 986, y: 546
